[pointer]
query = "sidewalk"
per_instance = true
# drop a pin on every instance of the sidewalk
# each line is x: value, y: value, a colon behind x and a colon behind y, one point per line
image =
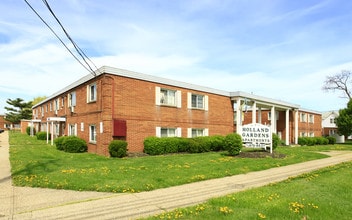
x: 33, y: 203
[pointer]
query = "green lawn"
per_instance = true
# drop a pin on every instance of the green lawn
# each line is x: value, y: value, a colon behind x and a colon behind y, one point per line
x: 37, y: 164
x: 324, y: 194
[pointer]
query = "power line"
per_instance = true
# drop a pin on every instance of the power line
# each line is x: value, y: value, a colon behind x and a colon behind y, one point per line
x: 63, y: 43
x: 78, y: 49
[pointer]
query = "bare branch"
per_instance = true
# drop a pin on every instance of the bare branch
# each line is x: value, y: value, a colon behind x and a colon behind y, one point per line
x: 340, y: 81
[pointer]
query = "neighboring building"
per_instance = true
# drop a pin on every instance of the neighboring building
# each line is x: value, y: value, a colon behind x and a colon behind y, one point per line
x: 329, y: 127
x: 4, y: 124
x: 329, y: 123
x: 121, y: 104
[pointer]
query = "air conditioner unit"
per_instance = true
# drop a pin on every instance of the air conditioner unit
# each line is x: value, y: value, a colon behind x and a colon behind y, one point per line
x: 72, y: 108
x: 55, y: 112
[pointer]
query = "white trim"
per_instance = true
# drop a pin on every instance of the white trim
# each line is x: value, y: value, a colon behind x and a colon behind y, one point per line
x: 206, y: 103
x: 189, y: 100
x: 157, y: 95
x: 158, y: 131
x: 189, y: 132
x: 178, y: 99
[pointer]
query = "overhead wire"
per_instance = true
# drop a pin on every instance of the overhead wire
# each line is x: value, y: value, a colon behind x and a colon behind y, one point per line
x: 80, y: 52
x: 78, y: 49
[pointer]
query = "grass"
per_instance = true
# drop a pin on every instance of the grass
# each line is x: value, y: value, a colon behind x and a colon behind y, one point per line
x: 37, y: 164
x: 324, y: 194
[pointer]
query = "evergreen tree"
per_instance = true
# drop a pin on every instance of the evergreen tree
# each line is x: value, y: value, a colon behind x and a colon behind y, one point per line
x: 19, y: 110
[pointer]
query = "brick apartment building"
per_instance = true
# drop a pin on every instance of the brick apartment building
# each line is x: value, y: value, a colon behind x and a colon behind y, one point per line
x: 121, y: 104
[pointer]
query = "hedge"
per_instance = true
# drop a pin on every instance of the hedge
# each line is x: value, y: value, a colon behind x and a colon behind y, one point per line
x: 311, y: 141
x: 118, y: 148
x: 167, y: 145
x: 71, y: 144
x: 42, y: 135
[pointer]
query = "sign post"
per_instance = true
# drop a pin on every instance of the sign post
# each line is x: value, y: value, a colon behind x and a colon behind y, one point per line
x: 257, y: 136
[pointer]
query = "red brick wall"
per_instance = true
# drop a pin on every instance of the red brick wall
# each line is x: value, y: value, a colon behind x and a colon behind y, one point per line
x: 134, y: 101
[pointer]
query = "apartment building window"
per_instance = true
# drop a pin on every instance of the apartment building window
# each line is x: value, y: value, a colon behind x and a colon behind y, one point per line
x: 303, y: 117
x: 72, y: 99
x: 167, y: 97
x: 42, y: 110
x: 92, y: 133
x: 197, y: 132
x: 168, y: 132
x: 92, y: 92
x: 197, y: 101
x: 311, y: 118
x: 311, y: 134
x: 51, y: 106
x: 72, y: 130
x: 56, y: 105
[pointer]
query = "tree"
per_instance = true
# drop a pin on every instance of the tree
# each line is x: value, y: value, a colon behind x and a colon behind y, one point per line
x: 344, y: 120
x: 340, y: 81
x: 19, y: 110
x: 38, y: 99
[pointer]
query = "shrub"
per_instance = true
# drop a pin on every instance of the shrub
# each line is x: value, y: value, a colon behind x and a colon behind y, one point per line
x: 41, y: 135
x: 73, y: 144
x: 28, y: 131
x: 152, y: 146
x: 199, y: 145
x: 217, y: 143
x: 59, y: 142
x: 233, y: 144
x: 166, y: 145
x: 118, y: 148
x: 302, y: 141
x: 321, y: 141
x: 332, y: 140
x: 275, y: 141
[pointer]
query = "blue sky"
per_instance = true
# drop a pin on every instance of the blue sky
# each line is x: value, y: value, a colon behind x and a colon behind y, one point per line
x: 280, y: 49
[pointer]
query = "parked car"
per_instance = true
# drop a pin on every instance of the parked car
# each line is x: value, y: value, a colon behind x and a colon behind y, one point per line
x: 1, y: 130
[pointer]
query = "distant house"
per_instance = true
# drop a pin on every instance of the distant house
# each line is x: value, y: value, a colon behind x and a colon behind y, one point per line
x: 4, y: 124
x: 126, y: 105
x: 329, y: 126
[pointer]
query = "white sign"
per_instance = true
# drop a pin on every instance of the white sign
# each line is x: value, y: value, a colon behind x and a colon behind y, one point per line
x: 257, y: 136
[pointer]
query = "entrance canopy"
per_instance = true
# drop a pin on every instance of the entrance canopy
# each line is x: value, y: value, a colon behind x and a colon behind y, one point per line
x: 245, y: 101
x: 52, y: 120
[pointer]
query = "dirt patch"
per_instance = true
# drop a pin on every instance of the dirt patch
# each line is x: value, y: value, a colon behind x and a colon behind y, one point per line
x: 260, y: 154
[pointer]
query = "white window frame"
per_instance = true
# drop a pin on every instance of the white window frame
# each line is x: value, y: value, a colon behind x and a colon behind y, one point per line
x: 72, y: 130
x: 197, y: 132
x: 190, y: 103
x: 92, y: 92
x: 92, y: 133
x: 177, y: 132
x: 311, y: 118
x: 72, y: 99
x: 160, y: 97
x: 303, y: 117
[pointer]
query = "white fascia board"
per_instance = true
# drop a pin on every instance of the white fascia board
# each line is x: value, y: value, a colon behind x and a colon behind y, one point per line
x: 263, y: 100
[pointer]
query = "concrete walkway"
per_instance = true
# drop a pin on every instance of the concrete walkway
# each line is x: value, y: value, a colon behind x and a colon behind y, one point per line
x: 34, y: 203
